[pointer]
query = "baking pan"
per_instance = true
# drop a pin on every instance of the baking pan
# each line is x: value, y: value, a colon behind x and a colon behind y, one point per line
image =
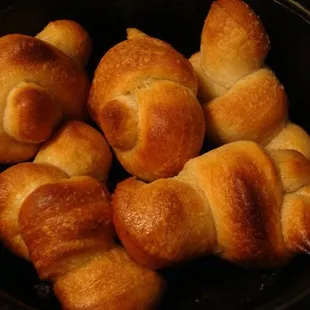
x: 207, y: 283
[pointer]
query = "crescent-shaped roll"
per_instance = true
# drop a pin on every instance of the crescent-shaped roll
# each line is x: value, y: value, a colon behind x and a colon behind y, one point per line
x: 242, y: 99
x: 241, y: 202
x: 76, y: 149
x: 40, y: 85
x: 67, y: 227
x: 143, y: 97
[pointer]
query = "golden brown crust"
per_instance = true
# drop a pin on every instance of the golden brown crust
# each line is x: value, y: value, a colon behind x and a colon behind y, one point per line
x: 134, y: 32
x: 242, y: 100
x: 34, y: 111
x: 120, y: 122
x: 28, y: 59
x: 293, y: 167
x: 175, y: 134
x: 54, y: 80
x: 158, y: 223
x: 69, y: 37
x: 237, y: 186
x: 207, y: 88
x: 294, y: 170
x: 67, y: 227
x: 111, y: 281
x: 292, y: 137
x: 296, y: 220
x: 134, y: 63
x: 65, y: 223
x: 254, y: 109
x: 78, y: 149
x: 233, y: 42
x: 244, y: 192
x: 13, y: 151
x: 144, y: 90
x: 15, y: 184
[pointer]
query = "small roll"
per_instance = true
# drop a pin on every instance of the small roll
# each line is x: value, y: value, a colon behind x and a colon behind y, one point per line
x: 143, y: 97
x: 78, y: 149
x: 67, y: 227
x: 40, y: 86
x: 242, y: 100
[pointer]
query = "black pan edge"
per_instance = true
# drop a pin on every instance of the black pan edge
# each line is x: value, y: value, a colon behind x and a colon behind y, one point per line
x: 8, y: 303
x: 295, y: 7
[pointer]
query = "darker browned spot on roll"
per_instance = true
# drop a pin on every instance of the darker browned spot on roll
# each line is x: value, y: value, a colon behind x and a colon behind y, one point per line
x: 119, y: 123
x: 31, y: 50
x: 254, y: 222
x: 251, y: 215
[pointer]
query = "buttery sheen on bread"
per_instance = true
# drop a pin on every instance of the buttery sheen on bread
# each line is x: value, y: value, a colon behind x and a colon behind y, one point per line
x: 241, y: 98
x: 15, y: 184
x: 143, y: 97
x: 42, y: 81
x: 76, y: 149
x: 56, y: 213
x: 240, y: 202
x: 67, y: 227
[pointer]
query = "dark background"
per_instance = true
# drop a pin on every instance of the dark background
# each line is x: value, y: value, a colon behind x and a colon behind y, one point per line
x: 205, y: 283
x: 305, y: 3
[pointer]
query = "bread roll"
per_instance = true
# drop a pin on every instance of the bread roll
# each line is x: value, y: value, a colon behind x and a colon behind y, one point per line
x: 241, y: 98
x: 245, y: 204
x: 143, y: 97
x: 67, y: 228
x: 76, y: 149
x: 40, y: 85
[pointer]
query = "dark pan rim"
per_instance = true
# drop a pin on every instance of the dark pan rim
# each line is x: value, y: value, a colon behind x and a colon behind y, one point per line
x: 12, y: 302
x: 296, y: 8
